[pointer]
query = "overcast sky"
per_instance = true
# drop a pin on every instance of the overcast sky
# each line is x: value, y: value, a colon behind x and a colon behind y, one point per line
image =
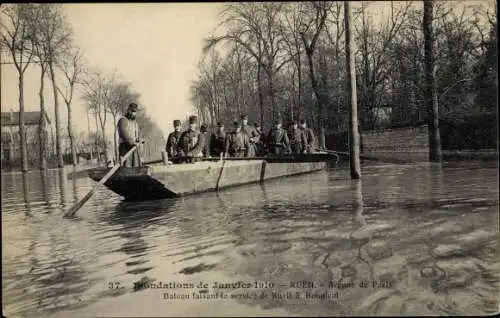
x: 154, y: 46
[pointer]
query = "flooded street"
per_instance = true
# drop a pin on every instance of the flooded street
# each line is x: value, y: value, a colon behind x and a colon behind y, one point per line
x: 407, y: 240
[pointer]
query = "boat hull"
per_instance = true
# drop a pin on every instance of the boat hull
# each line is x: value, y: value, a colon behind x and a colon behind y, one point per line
x: 167, y: 181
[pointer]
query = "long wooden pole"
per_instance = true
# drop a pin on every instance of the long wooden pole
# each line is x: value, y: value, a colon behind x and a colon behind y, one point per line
x: 353, y: 110
x: 79, y: 204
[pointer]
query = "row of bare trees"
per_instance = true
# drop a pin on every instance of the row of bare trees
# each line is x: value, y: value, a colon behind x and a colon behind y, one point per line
x: 288, y: 60
x: 41, y: 34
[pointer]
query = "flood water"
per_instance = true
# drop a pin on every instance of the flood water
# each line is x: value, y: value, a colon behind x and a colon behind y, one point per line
x: 416, y: 239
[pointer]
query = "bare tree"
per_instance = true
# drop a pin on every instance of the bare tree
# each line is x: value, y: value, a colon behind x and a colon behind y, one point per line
x: 17, y: 38
x: 71, y: 66
x: 56, y: 35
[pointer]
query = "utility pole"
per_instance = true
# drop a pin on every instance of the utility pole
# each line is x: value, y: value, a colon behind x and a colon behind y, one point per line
x: 431, y: 98
x: 353, y: 110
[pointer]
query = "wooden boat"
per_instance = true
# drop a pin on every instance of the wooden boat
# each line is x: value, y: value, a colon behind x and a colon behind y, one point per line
x: 158, y: 180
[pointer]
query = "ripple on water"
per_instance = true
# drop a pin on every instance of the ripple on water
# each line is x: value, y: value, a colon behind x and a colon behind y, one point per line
x: 410, y: 224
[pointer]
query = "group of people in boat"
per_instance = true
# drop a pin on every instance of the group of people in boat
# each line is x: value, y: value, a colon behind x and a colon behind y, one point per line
x: 244, y: 140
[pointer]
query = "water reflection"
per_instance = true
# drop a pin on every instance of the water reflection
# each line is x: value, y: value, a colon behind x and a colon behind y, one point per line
x: 62, y: 186
x: 26, y: 193
x: 321, y: 227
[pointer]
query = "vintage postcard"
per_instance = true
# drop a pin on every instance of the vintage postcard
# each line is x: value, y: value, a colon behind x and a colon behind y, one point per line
x: 322, y: 158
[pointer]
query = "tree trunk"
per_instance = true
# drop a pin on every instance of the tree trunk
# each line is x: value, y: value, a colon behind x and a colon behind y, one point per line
x: 22, y: 131
x: 354, y: 162
x: 315, y: 86
x: 103, y: 128
x: 299, y: 78
x: 60, y: 162
x: 88, y: 128
x: 430, y: 86
x: 42, y: 136
x: 261, y: 101
x: 115, y: 136
x: 71, y: 136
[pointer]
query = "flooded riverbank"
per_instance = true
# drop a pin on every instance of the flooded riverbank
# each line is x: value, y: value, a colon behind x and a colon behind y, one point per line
x: 408, y: 239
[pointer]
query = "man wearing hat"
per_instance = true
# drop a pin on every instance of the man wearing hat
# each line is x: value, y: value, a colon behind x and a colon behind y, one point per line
x: 259, y: 145
x: 237, y: 143
x: 191, y: 142
x: 297, y: 138
x: 206, y: 146
x: 253, y: 135
x: 128, y: 134
x: 218, y: 141
x: 309, y: 137
x: 173, y: 141
x: 278, y: 142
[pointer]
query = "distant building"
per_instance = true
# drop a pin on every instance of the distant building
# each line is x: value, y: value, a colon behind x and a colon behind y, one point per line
x: 11, y: 151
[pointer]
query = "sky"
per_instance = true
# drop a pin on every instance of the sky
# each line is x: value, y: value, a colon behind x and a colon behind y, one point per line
x: 156, y: 47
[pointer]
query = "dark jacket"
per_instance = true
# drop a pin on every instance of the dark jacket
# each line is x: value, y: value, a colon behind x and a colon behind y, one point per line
x: 238, y: 144
x: 253, y: 137
x: 310, y: 139
x: 278, y: 141
x: 298, y: 141
x: 218, y: 143
x: 191, y: 144
x: 172, y: 143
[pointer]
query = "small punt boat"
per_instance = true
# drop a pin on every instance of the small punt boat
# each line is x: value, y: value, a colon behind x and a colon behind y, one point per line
x: 158, y: 180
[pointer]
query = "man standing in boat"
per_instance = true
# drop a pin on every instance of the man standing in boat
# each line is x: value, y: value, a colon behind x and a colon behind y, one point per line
x: 128, y: 133
x: 297, y: 138
x: 259, y: 145
x: 309, y: 136
x: 278, y: 142
x: 218, y: 141
x: 191, y: 142
x: 206, y: 145
x: 173, y: 141
x: 237, y: 143
x: 253, y: 135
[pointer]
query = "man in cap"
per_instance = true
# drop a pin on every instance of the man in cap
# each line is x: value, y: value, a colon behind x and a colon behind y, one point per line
x: 259, y: 145
x: 253, y: 135
x: 309, y: 137
x: 278, y: 142
x: 237, y: 143
x: 173, y: 141
x: 297, y: 138
x: 206, y: 146
x: 218, y: 141
x: 128, y: 134
x: 191, y: 142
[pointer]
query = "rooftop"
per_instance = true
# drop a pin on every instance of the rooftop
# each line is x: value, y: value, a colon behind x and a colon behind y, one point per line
x: 30, y: 118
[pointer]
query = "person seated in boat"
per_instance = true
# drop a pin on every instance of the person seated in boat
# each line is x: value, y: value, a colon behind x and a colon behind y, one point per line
x: 277, y: 140
x: 237, y: 142
x: 297, y: 139
x: 218, y: 141
x: 173, y: 141
x: 259, y: 145
x: 128, y: 134
x: 253, y: 136
x: 191, y: 143
x: 309, y: 137
x: 206, y: 146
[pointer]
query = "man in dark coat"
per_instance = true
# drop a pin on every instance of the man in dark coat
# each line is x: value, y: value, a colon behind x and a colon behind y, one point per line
x: 259, y: 145
x: 277, y: 140
x: 237, y: 142
x: 128, y: 133
x: 173, y: 141
x: 218, y: 141
x: 297, y: 138
x: 253, y: 135
x: 309, y: 135
x: 191, y: 142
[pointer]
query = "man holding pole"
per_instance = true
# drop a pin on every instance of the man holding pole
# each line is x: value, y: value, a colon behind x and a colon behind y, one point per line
x: 128, y: 133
